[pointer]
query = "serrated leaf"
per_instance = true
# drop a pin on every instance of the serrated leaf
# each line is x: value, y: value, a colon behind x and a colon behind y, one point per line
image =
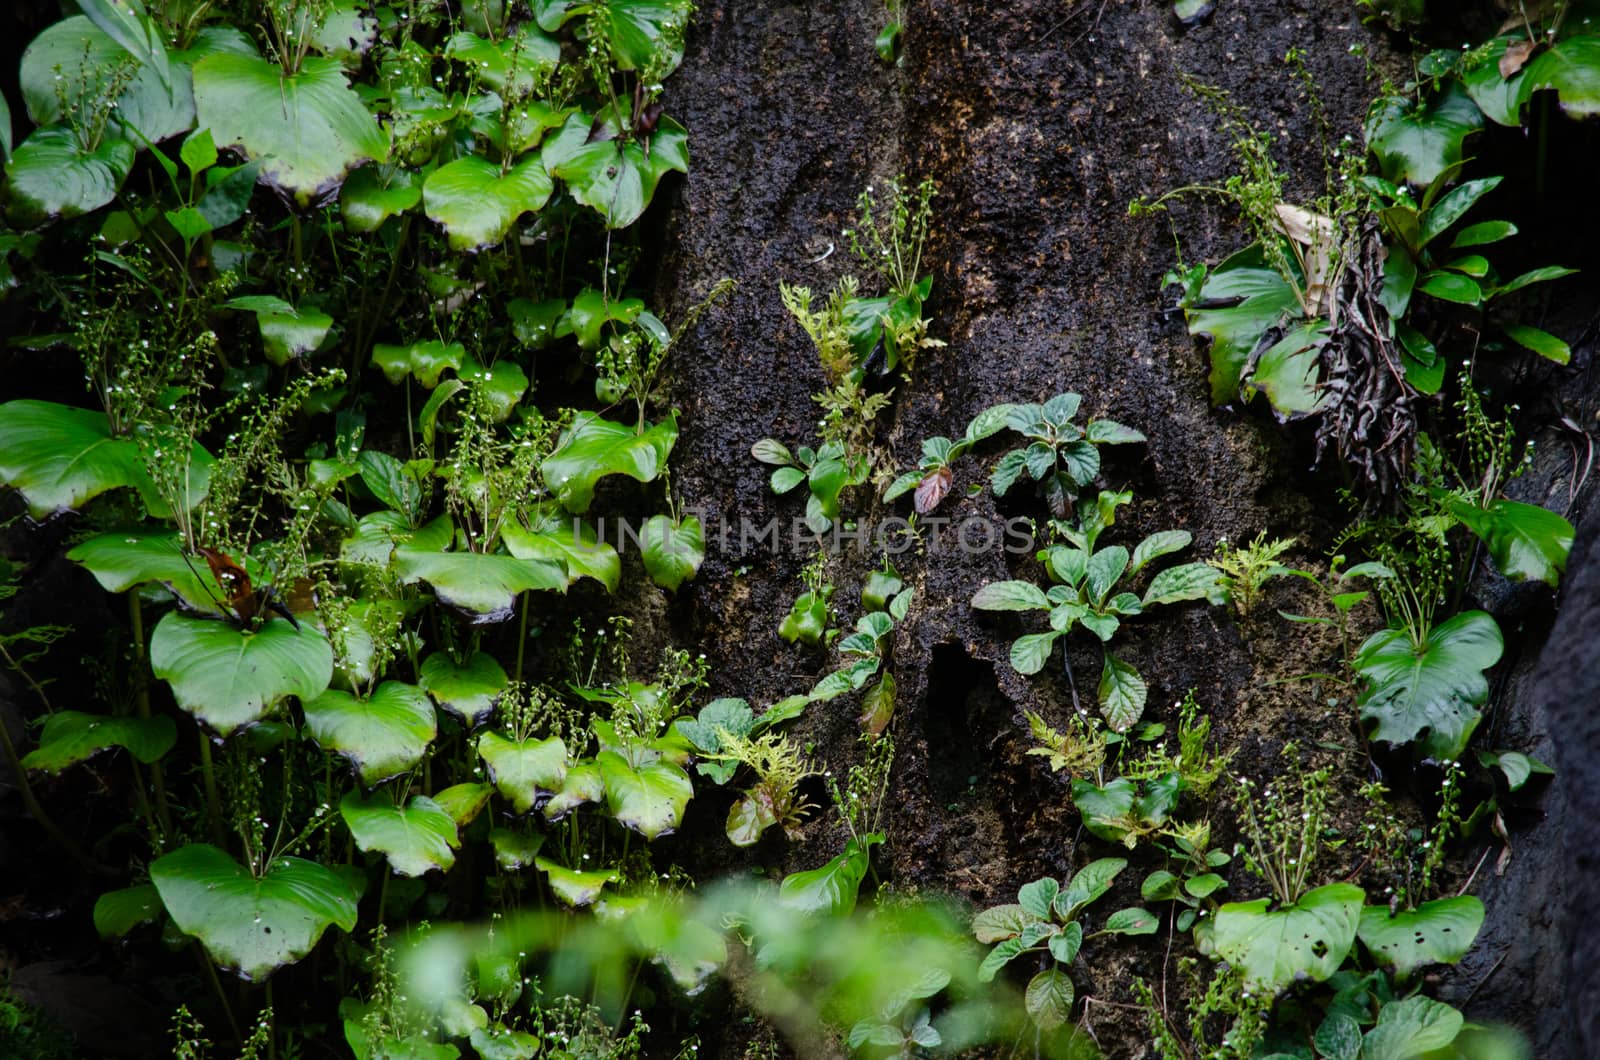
x: 1030, y: 652
x: 1122, y: 693
x: 1010, y: 596
x: 1133, y: 921
x: 1037, y: 897
x: 998, y: 958
x: 1188, y: 581
x: 1087, y: 885
x: 1049, y: 998
x: 999, y: 922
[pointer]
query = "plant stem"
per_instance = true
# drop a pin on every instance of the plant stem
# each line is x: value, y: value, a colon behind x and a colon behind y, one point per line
x: 142, y: 704
x: 35, y: 810
x: 213, y: 803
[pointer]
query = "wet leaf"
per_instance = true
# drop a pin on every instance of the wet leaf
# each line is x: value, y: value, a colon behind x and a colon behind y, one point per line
x: 1307, y: 940
x: 229, y: 678
x: 382, y: 735
x: 477, y: 204
x: 524, y: 770
x: 71, y: 736
x: 1437, y: 932
x: 1435, y: 689
x: 416, y: 838
x: 254, y: 925
x: 593, y: 448
x: 672, y: 551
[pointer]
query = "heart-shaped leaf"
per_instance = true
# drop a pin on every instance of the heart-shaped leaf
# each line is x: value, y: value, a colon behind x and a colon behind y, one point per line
x: 426, y: 360
x: 523, y: 770
x: 1572, y: 68
x: 582, y: 785
x: 69, y: 67
x: 477, y: 204
x: 118, y: 912
x: 1526, y: 541
x: 370, y: 196
x: 554, y: 536
x: 60, y: 456
x: 469, y: 690
x: 1415, y: 142
x: 382, y: 735
x: 511, y: 65
x: 307, y: 128
x: 672, y: 551
x: 52, y: 174
x: 1437, y: 932
x: 253, y: 924
x: 832, y: 889
x: 593, y: 448
x: 575, y: 888
x: 1307, y: 940
x: 651, y: 799
x: 485, y: 586
x: 1240, y: 302
x: 71, y: 736
x: 228, y: 677
x: 416, y: 838
x: 463, y: 802
x: 1435, y: 689
x: 119, y: 561
x: 1417, y: 1026
x: 286, y: 332
x: 614, y: 177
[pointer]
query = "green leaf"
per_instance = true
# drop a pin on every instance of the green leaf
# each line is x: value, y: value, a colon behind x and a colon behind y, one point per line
x: 371, y: 195
x: 772, y: 451
x: 382, y: 735
x: 512, y: 66
x: 70, y: 67
x: 484, y: 586
x: 1307, y: 940
x: 1543, y: 343
x: 1516, y: 766
x: 469, y: 690
x: 1010, y: 596
x: 71, y: 736
x: 1087, y: 885
x: 1122, y: 694
x: 575, y: 888
x: 1109, y: 432
x: 1289, y: 372
x: 593, y: 447
x: 832, y: 889
x: 1105, y: 567
x: 1049, y: 998
x: 308, y: 128
x: 1132, y: 921
x: 748, y: 817
x: 1499, y: 98
x: 1451, y: 206
x: 1260, y: 300
x: 1064, y: 947
x: 254, y: 925
x: 1031, y: 651
x: 230, y: 678
x: 499, y: 386
x: 463, y: 802
x: 477, y: 204
x: 1437, y: 932
x: 614, y: 178
x: 1543, y: 274
x: 1417, y: 1026
x: 60, y: 457
x: 1572, y: 68
x: 998, y: 958
x: 1037, y: 897
x: 649, y: 800
x: 121, y: 560
x: 734, y: 715
x: 672, y: 552
x: 1191, y: 581
x: 1526, y: 541
x: 1436, y: 689
x: 286, y: 332
x: 1452, y: 287
x: 416, y: 839
x: 1161, y: 543
x: 523, y: 770
x: 426, y: 360
x: 1415, y: 144
x: 52, y: 174
x: 515, y: 851
x: 999, y: 922
x: 118, y: 912
x: 130, y: 25
x: 582, y: 785
x: 553, y: 535
x: 1483, y: 233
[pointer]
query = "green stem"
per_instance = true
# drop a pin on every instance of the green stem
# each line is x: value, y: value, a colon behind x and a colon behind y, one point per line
x: 35, y: 810
x: 142, y: 705
x: 522, y: 637
x: 213, y: 803
x: 216, y: 984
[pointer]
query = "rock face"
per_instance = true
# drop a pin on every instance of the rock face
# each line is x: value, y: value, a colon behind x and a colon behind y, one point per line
x: 1039, y: 121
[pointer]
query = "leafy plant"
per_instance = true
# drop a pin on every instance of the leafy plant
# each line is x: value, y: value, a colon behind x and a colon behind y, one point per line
x: 1087, y: 580
x: 1196, y: 882
x: 1245, y: 570
x: 827, y: 472
x: 1046, y: 919
x: 1061, y: 457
